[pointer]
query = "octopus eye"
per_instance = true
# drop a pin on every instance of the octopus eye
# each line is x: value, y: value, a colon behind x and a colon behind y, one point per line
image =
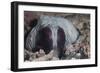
x: 60, y: 42
x: 60, y: 38
x: 44, y: 39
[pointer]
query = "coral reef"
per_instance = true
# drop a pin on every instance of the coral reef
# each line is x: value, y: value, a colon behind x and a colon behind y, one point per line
x: 80, y: 49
